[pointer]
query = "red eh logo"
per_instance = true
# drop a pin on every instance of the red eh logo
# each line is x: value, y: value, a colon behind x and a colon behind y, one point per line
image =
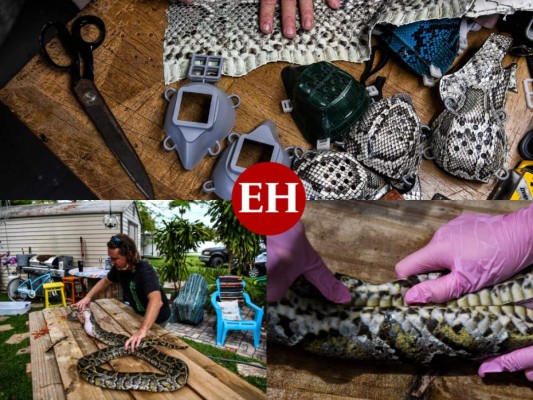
x: 268, y: 198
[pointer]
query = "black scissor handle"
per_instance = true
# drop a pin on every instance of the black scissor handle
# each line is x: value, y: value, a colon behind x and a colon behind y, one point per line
x: 84, y: 20
x: 66, y: 41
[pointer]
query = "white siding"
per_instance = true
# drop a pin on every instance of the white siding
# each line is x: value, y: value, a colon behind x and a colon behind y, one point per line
x: 130, y: 218
x: 60, y: 234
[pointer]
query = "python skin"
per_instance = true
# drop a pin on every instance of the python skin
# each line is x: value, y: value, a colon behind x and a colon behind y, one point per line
x: 336, y: 175
x: 176, y: 370
x: 387, y: 139
x: 378, y: 325
x: 468, y: 138
x: 230, y: 28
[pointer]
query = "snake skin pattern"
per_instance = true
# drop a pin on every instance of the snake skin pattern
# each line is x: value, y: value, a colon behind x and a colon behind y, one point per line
x: 176, y: 371
x: 336, y: 175
x: 387, y: 139
x: 468, y: 138
x: 378, y: 325
x: 230, y: 28
x: 425, y: 45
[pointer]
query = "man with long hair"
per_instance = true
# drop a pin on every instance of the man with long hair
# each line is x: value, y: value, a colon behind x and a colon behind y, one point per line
x: 140, y: 285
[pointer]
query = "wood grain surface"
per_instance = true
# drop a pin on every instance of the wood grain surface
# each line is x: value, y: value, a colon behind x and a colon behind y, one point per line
x: 366, y: 240
x: 129, y: 74
x: 54, y: 373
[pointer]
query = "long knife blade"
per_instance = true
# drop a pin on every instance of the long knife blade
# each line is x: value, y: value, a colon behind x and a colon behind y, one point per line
x: 96, y: 108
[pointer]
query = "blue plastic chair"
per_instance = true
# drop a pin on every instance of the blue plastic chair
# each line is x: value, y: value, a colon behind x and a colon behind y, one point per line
x: 189, y: 305
x: 223, y: 325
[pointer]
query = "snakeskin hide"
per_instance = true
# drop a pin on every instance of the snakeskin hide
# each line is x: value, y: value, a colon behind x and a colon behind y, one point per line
x: 387, y: 139
x: 468, y: 138
x: 230, y: 28
x: 336, y: 175
x: 378, y: 325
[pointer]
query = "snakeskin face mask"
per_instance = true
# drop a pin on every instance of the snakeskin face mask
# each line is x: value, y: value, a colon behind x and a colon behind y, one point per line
x: 468, y: 138
x: 428, y: 48
x: 336, y: 175
x: 388, y: 140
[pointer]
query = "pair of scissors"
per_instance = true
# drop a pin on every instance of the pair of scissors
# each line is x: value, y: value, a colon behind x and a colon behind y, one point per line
x: 90, y: 98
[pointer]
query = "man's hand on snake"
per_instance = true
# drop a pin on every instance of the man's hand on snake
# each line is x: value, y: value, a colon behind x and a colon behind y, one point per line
x: 479, y: 251
x: 134, y: 341
x: 290, y: 255
x: 288, y: 14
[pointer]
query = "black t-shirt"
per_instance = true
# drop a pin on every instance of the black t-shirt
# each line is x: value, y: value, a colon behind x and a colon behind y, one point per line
x: 138, y: 285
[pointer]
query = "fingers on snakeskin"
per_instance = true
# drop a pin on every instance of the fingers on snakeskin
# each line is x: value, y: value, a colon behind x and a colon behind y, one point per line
x: 266, y: 15
x: 436, y: 291
x: 334, y: 4
x: 288, y: 18
x: 427, y: 259
x: 306, y: 13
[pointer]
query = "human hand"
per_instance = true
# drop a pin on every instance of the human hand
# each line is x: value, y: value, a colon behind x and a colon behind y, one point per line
x: 521, y: 359
x: 288, y: 15
x: 83, y: 304
x: 134, y: 341
x: 290, y: 255
x: 479, y: 250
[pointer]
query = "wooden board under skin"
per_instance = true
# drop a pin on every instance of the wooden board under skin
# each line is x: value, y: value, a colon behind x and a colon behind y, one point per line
x: 129, y: 74
x: 366, y: 240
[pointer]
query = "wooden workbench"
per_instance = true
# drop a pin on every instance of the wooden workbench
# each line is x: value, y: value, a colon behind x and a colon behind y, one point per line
x: 129, y: 73
x: 366, y: 240
x: 54, y: 374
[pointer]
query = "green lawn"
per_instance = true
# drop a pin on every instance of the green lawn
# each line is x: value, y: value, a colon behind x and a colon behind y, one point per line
x: 14, y: 383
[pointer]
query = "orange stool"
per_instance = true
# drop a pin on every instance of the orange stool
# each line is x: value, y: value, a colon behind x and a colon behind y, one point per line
x: 71, y: 282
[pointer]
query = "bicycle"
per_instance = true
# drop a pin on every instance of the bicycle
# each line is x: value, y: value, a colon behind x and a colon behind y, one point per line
x: 19, y: 289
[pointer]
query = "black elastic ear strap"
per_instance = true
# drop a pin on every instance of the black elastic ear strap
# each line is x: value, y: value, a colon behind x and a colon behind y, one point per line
x: 529, y: 61
x: 370, y: 70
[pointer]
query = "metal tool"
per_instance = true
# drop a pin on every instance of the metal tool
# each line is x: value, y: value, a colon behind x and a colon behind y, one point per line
x: 92, y: 101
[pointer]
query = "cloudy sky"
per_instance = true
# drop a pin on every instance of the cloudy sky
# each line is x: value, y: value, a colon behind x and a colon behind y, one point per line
x: 161, y: 211
x: 197, y: 212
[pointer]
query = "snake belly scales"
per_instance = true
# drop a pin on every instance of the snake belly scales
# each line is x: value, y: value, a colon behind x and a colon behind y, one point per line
x: 378, y: 325
x: 176, y: 370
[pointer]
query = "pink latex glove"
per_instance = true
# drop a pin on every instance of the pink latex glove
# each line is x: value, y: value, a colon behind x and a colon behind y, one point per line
x: 479, y: 251
x: 290, y: 255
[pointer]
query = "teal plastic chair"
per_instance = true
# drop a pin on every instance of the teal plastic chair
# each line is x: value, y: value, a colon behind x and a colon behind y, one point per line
x: 224, y: 325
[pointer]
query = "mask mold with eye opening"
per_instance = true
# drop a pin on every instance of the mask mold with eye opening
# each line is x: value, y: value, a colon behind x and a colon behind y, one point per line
x: 192, y: 140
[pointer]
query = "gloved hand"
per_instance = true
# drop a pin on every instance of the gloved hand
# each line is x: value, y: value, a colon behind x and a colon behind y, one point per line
x: 290, y: 255
x: 479, y: 251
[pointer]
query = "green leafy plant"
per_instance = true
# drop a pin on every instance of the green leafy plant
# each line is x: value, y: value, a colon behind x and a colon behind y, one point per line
x: 175, y: 239
x: 241, y: 244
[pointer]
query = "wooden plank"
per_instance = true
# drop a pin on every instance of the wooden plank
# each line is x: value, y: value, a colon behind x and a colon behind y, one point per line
x: 134, y: 364
x: 129, y: 73
x: 89, y: 345
x: 366, y: 240
x: 45, y: 377
x: 67, y: 353
x: 206, y: 376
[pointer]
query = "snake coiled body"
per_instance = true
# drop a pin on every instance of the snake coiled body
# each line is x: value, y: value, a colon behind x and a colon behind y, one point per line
x: 176, y: 370
x: 378, y: 325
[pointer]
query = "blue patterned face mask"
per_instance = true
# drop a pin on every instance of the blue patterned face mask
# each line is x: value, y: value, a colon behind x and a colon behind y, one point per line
x: 428, y: 48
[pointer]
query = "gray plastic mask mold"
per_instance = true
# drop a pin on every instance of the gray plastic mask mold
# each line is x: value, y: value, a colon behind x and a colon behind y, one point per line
x: 192, y: 140
x: 229, y: 167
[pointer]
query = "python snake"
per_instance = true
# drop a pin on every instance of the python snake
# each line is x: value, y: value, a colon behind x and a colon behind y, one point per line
x: 378, y: 325
x: 89, y: 366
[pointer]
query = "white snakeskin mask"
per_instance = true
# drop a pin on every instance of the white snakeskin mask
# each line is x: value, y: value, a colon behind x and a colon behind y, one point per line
x: 387, y: 139
x: 468, y: 138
